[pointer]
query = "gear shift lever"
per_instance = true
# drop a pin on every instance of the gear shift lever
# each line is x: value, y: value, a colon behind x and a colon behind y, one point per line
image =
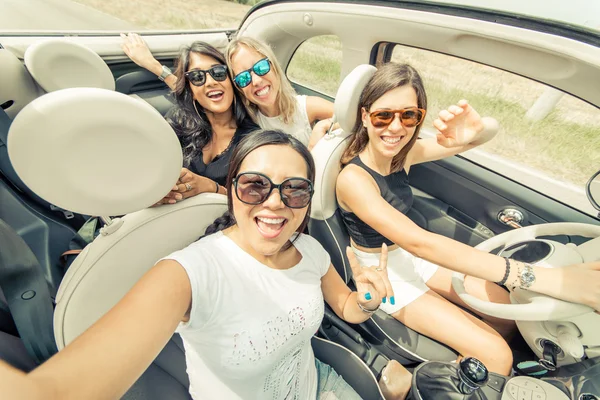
x: 472, y: 374
x: 549, y: 355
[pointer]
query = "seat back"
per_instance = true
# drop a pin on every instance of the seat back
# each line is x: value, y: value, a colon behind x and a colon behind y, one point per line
x: 18, y: 87
x: 61, y: 64
x: 109, y: 266
x: 325, y: 222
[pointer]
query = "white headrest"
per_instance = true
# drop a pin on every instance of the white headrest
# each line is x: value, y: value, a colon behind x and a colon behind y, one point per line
x: 61, y: 64
x: 328, y: 151
x: 348, y: 94
x: 94, y: 151
x: 327, y: 154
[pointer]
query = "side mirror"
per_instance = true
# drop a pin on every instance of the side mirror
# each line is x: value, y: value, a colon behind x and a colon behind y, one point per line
x: 592, y: 189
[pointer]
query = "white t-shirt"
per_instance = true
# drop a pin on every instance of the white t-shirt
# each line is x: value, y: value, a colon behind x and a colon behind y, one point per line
x: 250, y: 326
x: 299, y: 127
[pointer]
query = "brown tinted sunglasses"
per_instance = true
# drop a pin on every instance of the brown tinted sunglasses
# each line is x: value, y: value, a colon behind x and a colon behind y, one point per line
x: 409, y: 117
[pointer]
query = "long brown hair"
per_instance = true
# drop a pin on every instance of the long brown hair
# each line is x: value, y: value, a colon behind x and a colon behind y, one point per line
x: 286, y: 98
x: 388, y: 77
x: 187, y: 118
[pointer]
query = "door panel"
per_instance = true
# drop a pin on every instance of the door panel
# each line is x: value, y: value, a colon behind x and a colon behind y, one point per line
x: 480, y: 194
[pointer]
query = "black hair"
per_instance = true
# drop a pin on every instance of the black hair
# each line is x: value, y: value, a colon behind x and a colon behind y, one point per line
x: 247, y: 145
x: 187, y: 118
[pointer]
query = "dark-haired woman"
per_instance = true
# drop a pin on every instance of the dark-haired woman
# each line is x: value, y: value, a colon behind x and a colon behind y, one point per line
x: 246, y: 299
x: 382, y: 149
x: 209, y: 117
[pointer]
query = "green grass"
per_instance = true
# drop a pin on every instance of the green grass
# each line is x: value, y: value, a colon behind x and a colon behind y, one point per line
x: 317, y: 64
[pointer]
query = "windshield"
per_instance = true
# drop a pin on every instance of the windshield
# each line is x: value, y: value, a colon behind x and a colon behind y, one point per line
x: 581, y: 13
x: 120, y: 15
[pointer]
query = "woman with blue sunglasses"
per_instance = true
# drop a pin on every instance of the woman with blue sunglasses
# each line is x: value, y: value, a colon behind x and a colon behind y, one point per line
x: 270, y: 98
x: 209, y: 117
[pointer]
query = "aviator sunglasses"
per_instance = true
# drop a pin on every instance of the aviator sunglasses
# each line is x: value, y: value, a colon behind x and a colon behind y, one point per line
x: 197, y: 77
x: 255, y: 188
x: 261, y: 68
x: 409, y: 117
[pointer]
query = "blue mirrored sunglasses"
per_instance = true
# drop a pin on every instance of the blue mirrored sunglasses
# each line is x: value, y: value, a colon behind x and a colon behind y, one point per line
x: 243, y: 79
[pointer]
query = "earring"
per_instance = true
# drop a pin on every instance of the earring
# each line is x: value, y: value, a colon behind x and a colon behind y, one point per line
x: 196, y: 108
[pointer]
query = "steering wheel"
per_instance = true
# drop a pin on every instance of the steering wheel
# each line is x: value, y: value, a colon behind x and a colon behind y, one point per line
x: 528, y: 305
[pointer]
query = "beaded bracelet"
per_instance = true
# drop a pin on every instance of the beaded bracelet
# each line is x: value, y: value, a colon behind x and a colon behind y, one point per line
x: 506, y: 272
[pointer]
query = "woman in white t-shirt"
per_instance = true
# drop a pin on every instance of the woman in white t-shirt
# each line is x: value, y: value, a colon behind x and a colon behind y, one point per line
x: 269, y: 97
x: 246, y: 299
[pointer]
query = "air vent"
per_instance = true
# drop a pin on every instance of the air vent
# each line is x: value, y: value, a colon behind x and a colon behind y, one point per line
x: 7, y: 104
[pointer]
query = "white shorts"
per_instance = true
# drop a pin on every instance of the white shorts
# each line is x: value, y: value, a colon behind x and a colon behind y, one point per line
x: 406, y: 272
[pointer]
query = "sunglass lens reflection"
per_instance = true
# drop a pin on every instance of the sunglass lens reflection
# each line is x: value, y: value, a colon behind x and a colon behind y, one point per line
x: 243, y: 79
x: 262, y: 67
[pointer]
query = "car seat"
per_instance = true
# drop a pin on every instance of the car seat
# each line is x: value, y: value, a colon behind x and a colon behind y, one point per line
x: 389, y: 335
x: 128, y: 134
x: 61, y: 63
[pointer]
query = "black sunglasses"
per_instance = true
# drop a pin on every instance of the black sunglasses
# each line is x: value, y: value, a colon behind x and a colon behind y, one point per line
x: 197, y: 77
x: 255, y: 188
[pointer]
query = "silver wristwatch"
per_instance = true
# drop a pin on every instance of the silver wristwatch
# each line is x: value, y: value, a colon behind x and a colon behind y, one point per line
x: 526, y: 276
x: 165, y: 73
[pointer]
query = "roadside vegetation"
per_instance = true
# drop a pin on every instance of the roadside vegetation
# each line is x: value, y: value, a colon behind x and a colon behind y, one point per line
x: 564, y: 145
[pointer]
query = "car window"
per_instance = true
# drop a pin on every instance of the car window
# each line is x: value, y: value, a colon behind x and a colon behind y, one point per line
x: 548, y: 140
x: 316, y: 64
x: 119, y: 15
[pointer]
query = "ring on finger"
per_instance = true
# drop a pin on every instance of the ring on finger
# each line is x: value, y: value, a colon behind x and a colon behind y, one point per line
x: 378, y: 269
x: 188, y: 187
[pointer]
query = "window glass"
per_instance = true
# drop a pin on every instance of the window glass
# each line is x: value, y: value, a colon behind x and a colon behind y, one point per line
x: 548, y: 140
x: 121, y: 15
x: 316, y: 64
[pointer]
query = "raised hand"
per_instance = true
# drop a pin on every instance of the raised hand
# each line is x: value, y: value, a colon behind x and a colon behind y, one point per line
x: 136, y: 49
x: 372, y: 283
x: 458, y: 125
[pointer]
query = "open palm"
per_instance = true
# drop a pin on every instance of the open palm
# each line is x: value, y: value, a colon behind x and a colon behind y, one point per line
x: 458, y: 125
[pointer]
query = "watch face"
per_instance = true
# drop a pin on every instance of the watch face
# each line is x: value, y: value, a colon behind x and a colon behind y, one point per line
x: 527, y: 277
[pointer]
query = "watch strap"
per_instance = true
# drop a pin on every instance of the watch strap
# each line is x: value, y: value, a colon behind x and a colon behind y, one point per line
x: 165, y: 73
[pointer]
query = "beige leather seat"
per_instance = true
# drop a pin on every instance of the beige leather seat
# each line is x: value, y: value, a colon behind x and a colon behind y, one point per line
x: 60, y: 64
x: 393, y: 338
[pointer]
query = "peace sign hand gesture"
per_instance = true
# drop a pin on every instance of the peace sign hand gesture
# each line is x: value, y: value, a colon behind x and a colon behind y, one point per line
x: 372, y: 283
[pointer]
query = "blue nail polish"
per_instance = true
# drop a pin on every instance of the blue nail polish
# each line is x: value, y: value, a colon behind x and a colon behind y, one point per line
x: 383, y: 300
x: 392, y: 300
x: 368, y: 296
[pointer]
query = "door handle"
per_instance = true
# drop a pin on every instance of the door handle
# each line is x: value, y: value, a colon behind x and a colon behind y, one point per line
x: 511, y: 217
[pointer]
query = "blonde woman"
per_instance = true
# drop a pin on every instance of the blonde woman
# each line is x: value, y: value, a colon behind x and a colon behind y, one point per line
x: 269, y: 97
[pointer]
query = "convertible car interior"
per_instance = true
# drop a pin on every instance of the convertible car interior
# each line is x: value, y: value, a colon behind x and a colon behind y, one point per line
x: 76, y: 113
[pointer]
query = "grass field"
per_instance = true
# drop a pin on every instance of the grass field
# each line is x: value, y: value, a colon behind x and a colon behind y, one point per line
x: 564, y: 145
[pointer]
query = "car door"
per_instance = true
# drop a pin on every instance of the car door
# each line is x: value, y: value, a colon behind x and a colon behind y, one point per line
x: 530, y: 72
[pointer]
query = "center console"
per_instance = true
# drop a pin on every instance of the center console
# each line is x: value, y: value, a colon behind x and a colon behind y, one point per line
x: 470, y: 380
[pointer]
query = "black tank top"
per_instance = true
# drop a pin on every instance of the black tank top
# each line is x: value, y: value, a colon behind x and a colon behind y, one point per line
x: 218, y: 167
x: 395, y: 190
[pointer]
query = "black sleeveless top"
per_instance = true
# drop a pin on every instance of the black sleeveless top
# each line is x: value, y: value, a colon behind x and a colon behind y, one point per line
x: 217, y: 169
x: 395, y: 190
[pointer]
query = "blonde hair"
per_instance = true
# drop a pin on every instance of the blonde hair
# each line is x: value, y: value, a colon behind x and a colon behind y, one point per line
x: 286, y: 98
